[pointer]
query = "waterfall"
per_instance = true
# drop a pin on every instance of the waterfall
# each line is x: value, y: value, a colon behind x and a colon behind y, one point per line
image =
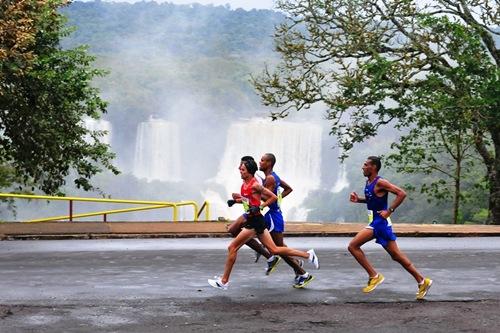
x: 297, y: 147
x: 157, y: 151
x: 341, y: 182
x: 98, y: 125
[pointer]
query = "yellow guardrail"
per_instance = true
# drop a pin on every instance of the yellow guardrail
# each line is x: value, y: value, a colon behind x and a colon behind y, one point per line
x: 151, y: 205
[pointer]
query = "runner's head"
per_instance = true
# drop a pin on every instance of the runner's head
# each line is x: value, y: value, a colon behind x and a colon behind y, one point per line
x: 371, y: 166
x: 267, y: 162
x: 246, y: 158
x: 248, y: 169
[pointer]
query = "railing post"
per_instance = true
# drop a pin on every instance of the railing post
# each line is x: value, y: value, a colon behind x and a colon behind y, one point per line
x: 71, y: 210
x: 205, y: 206
x: 201, y: 210
x: 104, y: 217
x: 207, y: 211
x: 176, y: 213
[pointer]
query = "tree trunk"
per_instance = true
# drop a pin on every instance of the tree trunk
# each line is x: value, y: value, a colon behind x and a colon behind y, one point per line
x: 456, y: 201
x: 494, y: 179
x: 492, y: 163
x: 494, y: 200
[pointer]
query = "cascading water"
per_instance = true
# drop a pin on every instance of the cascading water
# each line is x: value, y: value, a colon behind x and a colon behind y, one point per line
x: 297, y: 147
x: 341, y: 182
x: 157, y: 151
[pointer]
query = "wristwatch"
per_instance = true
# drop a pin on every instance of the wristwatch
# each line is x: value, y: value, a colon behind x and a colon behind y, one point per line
x: 391, y: 209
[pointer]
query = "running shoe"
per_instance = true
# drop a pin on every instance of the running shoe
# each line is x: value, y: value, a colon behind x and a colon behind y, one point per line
x: 424, y: 288
x: 271, y: 265
x: 313, y: 258
x: 373, y: 282
x: 303, y: 281
x: 297, y: 276
x: 217, y: 283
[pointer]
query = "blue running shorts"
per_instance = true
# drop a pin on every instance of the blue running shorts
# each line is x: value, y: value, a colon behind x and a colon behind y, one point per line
x: 274, y: 221
x: 382, y: 231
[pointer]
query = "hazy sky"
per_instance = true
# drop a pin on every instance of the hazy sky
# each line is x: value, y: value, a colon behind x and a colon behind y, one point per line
x: 245, y: 4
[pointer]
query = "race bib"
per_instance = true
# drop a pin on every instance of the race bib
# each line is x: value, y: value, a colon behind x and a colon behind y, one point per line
x: 370, y: 216
x: 246, y: 205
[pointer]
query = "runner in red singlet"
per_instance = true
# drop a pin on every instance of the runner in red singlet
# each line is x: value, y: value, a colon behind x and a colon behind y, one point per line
x: 250, y: 196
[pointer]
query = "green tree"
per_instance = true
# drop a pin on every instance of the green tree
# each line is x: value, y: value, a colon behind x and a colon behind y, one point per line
x: 45, y: 94
x: 447, y: 158
x: 371, y: 63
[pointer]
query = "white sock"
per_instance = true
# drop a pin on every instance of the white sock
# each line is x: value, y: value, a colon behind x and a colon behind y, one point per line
x: 421, y: 283
x: 271, y: 258
x: 306, y: 274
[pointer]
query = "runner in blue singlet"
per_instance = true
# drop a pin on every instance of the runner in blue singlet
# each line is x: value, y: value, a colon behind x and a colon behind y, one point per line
x: 252, y: 193
x: 380, y: 227
x: 274, y: 217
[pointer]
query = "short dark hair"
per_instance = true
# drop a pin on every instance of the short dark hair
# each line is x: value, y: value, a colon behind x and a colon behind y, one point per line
x: 251, y: 166
x: 271, y: 157
x: 375, y: 160
x: 247, y: 158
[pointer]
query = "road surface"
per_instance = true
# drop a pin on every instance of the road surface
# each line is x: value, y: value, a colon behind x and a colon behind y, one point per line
x: 160, y: 285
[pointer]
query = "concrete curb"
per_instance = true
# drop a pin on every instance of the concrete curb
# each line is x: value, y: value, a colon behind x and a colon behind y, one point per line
x: 99, y: 230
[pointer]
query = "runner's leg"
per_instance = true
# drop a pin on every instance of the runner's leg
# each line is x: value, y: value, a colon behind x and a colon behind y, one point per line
x: 267, y: 241
x: 398, y: 256
x: 235, y: 228
x: 233, y: 248
x: 294, y: 263
x: 354, y: 247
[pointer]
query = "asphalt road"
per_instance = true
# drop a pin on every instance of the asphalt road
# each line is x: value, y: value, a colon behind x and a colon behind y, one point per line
x: 159, y: 285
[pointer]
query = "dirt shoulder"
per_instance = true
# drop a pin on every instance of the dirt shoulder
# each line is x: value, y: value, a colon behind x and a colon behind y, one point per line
x: 223, y: 315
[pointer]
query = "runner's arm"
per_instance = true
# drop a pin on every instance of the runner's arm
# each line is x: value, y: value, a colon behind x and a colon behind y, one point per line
x: 269, y: 184
x: 385, y: 185
x: 236, y: 197
x: 357, y: 199
x: 269, y: 195
x: 287, y: 189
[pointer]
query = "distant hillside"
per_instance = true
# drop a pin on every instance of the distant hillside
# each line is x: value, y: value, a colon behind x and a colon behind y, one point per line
x: 186, y: 30
x: 189, y: 63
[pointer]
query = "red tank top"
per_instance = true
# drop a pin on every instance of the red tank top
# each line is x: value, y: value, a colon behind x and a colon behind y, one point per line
x: 246, y: 192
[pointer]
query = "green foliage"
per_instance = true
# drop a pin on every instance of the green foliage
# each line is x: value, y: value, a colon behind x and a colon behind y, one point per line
x: 43, y: 104
x: 373, y: 63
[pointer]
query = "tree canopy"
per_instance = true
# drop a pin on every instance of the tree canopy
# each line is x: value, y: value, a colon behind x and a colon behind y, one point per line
x: 405, y: 63
x: 45, y: 96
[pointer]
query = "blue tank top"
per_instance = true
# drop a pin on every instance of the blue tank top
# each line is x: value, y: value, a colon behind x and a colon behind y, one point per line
x: 373, y: 202
x: 277, y: 183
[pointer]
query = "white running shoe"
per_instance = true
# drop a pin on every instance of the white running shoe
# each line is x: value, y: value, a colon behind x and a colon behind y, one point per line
x: 217, y: 283
x: 313, y: 258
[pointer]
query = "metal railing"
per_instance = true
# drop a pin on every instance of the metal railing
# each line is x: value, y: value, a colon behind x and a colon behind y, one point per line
x: 150, y: 205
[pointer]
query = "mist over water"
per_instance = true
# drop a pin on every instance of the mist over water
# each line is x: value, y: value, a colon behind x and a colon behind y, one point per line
x: 157, y: 151
x: 297, y: 147
x: 342, y: 181
x: 182, y: 112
